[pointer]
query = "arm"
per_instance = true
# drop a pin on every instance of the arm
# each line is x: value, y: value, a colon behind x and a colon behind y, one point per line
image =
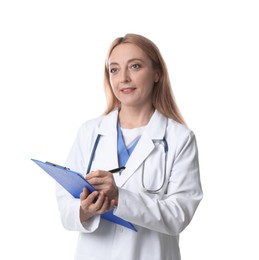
x: 69, y: 207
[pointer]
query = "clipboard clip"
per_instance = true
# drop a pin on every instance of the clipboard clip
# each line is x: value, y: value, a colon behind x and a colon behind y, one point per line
x: 56, y: 165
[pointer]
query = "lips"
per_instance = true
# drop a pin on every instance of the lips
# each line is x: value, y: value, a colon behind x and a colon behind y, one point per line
x: 127, y: 90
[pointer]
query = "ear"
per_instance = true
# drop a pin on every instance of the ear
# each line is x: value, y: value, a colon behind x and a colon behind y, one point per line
x: 156, y: 76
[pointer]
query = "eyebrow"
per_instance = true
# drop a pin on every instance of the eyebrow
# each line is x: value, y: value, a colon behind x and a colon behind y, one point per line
x: 131, y: 60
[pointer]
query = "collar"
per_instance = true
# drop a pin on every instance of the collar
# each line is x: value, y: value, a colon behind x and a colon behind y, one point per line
x: 155, y: 129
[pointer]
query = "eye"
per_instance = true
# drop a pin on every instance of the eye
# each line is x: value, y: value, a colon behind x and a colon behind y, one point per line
x: 113, y: 70
x: 135, y: 66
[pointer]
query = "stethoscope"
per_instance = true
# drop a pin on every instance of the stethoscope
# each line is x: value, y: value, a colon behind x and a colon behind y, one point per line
x: 152, y: 191
x: 155, y: 191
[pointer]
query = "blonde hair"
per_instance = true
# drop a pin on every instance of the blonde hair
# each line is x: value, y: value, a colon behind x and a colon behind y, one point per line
x: 163, y: 97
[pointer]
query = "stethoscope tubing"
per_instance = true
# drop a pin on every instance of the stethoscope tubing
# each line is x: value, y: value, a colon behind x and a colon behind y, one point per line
x: 155, y: 191
x: 152, y: 191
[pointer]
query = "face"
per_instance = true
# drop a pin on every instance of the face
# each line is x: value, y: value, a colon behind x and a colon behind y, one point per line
x: 132, y: 76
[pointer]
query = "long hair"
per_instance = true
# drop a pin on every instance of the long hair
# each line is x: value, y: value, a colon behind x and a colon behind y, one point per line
x: 163, y: 97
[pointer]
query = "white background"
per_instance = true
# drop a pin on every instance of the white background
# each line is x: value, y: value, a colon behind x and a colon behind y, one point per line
x: 51, y: 71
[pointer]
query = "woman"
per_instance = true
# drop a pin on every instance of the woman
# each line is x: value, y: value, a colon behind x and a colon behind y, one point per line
x: 143, y: 130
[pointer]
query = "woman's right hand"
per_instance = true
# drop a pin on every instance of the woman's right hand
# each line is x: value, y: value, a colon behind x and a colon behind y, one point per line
x: 93, y: 203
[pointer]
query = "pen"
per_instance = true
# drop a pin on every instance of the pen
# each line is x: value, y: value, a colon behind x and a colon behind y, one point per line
x: 117, y: 169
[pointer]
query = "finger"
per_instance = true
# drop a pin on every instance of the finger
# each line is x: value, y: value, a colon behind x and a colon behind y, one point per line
x: 99, y: 201
x: 97, y: 174
x: 104, y: 205
x: 106, y: 180
x: 89, y: 200
x: 84, y: 194
x: 112, y: 204
x: 97, y: 182
x: 92, y: 174
x: 93, y: 197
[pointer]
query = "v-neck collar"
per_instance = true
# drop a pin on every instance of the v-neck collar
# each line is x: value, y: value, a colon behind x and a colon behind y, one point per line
x: 124, y: 152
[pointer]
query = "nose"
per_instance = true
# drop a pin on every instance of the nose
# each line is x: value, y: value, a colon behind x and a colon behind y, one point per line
x: 124, y: 75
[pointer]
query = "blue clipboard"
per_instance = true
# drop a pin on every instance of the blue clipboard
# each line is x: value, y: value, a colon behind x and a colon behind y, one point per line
x: 74, y: 183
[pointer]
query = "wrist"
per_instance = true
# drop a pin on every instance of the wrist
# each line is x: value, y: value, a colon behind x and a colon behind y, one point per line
x: 84, y: 216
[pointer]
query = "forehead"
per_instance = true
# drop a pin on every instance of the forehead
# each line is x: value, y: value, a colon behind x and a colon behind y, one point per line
x: 127, y: 51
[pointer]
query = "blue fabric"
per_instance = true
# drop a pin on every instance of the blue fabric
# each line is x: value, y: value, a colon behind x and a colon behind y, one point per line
x: 123, y: 152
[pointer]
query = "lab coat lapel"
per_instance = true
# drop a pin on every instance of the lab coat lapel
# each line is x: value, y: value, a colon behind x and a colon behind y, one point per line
x: 140, y: 153
x: 155, y: 130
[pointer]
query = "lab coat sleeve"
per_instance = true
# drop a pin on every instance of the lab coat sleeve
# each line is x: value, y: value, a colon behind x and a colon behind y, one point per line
x: 171, y: 213
x: 69, y: 207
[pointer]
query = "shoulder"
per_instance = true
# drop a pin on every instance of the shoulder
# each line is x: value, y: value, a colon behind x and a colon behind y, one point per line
x: 100, y: 124
x: 179, y: 134
x: 160, y: 125
x: 173, y: 126
x: 91, y: 123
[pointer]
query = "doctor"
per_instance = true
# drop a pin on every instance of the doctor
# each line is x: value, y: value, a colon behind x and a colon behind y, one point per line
x: 143, y: 130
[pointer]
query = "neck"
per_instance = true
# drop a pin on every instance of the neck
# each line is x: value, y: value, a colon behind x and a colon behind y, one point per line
x: 132, y: 118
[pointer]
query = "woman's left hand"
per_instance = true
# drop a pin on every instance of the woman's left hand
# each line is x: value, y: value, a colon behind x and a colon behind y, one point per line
x: 104, y: 181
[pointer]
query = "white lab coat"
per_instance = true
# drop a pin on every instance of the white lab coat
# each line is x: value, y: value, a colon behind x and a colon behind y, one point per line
x: 159, y: 218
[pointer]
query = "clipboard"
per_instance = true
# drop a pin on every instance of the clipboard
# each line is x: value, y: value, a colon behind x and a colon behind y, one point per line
x: 74, y: 183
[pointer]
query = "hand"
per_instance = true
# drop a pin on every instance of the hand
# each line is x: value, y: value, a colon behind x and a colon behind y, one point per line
x: 93, y: 204
x: 104, y: 181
